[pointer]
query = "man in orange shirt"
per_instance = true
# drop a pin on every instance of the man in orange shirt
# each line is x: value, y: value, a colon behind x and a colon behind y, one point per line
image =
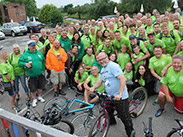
x: 55, y: 61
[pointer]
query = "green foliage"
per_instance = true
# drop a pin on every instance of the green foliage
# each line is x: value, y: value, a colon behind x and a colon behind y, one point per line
x: 50, y: 14
x: 133, y: 6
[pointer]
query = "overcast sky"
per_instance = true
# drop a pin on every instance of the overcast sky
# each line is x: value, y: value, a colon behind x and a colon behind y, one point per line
x: 60, y: 3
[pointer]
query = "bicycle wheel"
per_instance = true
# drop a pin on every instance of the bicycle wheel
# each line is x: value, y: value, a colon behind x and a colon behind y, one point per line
x: 65, y: 126
x: 100, y: 126
x: 137, y: 101
x: 82, y: 123
x: 61, y: 101
x: 175, y: 132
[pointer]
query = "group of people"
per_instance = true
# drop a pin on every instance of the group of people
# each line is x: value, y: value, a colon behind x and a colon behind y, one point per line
x: 104, y: 55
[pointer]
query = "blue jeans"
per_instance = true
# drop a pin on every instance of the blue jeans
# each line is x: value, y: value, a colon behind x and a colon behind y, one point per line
x: 23, y: 82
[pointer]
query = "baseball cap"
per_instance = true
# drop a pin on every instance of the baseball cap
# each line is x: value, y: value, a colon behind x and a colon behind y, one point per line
x: 132, y: 36
x: 31, y: 43
x: 150, y: 33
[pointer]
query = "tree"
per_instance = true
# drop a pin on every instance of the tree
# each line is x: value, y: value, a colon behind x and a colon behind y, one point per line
x: 133, y: 6
x: 101, y: 8
x: 69, y: 6
x: 50, y: 14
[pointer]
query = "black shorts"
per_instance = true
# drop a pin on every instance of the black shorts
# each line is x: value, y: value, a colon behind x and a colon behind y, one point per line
x: 36, y: 83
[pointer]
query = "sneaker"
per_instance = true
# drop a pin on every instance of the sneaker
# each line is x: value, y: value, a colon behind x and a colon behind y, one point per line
x: 42, y: 100
x: 55, y: 94
x: 34, y: 103
x: 61, y: 92
x: 159, y: 112
x: 132, y: 133
x: 155, y: 102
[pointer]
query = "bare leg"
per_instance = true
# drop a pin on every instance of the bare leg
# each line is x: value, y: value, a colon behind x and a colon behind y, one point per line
x: 86, y: 95
x: 55, y: 88
x: 161, y: 100
x: 12, y: 100
x: 33, y: 94
x: 60, y: 85
x: 39, y: 92
x: 94, y: 100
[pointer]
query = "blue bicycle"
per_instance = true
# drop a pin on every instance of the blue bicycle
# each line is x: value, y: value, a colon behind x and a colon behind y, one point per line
x: 81, y: 122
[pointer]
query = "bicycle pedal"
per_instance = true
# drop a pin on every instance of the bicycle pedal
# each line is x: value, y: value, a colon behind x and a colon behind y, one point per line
x: 133, y: 114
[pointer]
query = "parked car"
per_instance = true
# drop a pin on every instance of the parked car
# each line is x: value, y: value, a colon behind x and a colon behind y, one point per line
x: 34, y: 26
x: 2, y: 35
x: 13, y: 29
x: 108, y: 16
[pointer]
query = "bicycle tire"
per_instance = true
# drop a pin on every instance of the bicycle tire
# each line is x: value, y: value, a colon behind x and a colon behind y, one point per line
x: 96, y: 129
x: 65, y: 126
x: 137, y: 101
x: 53, y: 100
x: 82, y: 123
x: 174, y: 132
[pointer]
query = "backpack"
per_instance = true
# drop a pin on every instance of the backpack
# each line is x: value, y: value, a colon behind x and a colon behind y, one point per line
x: 171, y: 34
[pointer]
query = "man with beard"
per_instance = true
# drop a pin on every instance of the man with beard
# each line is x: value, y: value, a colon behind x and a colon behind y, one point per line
x: 55, y: 61
x: 178, y: 28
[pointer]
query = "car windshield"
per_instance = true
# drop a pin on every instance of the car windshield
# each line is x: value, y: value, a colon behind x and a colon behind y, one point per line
x: 36, y: 23
x: 15, y: 24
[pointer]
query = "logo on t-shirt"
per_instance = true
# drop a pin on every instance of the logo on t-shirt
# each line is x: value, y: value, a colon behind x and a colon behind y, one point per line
x: 163, y: 62
x: 181, y: 78
x: 173, y: 79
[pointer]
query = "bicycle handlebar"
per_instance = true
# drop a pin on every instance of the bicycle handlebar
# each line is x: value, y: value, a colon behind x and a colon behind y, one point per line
x: 104, y: 95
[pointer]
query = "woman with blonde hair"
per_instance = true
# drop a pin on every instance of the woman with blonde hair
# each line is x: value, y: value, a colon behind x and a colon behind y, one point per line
x: 19, y: 72
x: 7, y: 73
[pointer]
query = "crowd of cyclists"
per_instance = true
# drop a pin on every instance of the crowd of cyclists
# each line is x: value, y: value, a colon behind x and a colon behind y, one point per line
x: 148, y: 48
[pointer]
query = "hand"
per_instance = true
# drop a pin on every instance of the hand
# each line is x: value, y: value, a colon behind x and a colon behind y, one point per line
x: 169, y: 99
x: 70, y: 71
x: 91, y: 90
x: 28, y: 65
x: 59, y: 58
x: 145, y: 43
x: 117, y: 97
x: 164, y: 72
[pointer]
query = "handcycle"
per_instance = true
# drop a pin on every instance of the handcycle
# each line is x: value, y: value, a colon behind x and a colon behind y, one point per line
x: 65, y: 106
x: 148, y: 131
x: 176, y: 132
x: 137, y: 103
x: 52, y: 117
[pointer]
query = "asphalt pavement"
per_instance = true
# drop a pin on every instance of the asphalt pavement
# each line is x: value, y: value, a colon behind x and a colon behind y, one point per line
x: 161, y: 125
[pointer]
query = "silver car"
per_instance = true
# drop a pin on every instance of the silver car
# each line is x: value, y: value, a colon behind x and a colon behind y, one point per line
x: 13, y: 28
x: 2, y: 36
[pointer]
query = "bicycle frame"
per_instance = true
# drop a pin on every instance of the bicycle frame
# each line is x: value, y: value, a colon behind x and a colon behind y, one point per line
x: 71, y: 102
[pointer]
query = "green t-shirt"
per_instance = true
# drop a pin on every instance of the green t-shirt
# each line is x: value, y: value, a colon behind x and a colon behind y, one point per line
x: 94, y: 80
x: 123, y: 59
x: 174, y: 81
x: 170, y: 42
x: 92, y: 38
x: 46, y: 43
x: 141, y: 82
x: 117, y: 44
x: 128, y: 76
x: 106, y: 50
x: 58, y: 36
x: 180, y: 53
x: 86, y: 40
x: 140, y: 55
x: 159, y: 63
x: 88, y: 60
x: 70, y: 36
x: 99, y: 43
x: 13, y: 60
x: 6, y: 68
x: 149, y: 29
x: 83, y: 76
x: 141, y: 46
x: 181, y: 33
x: 150, y: 46
x: 40, y: 47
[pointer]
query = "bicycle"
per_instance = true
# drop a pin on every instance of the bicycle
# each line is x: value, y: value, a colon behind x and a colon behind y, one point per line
x: 148, y: 131
x: 51, y: 117
x: 176, y: 132
x: 100, y: 126
x: 66, y: 107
